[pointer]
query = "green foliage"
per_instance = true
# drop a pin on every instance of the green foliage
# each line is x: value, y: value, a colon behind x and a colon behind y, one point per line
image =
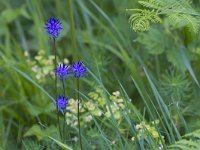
x: 175, y: 86
x: 150, y: 41
x: 146, y: 130
x: 97, y: 32
x: 173, y: 56
x: 36, y: 130
x: 140, y: 21
x: 28, y: 145
x: 189, y: 141
x: 179, y: 14
x: 158, y: 41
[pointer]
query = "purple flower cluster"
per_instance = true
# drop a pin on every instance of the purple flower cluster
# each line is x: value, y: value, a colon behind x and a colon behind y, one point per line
x: 78, y: 70
x: 61, y: 103
x: 53, y: 27
x: 62, y: 71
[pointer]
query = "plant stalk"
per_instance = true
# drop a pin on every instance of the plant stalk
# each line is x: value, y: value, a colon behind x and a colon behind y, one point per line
x: 73, y: 30
x: 79, y: 127
x: 64, y: 115
x: 55, y: 86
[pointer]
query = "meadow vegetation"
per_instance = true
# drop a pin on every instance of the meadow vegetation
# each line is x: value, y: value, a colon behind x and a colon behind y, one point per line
x: 142, y: 87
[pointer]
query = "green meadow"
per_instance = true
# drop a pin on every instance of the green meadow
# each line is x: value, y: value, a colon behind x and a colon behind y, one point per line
x: 141, y: 90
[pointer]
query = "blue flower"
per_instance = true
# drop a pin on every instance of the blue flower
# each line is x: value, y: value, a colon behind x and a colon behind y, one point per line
x: 79, y: 70
x: 62, y: 71
x: 53, y: 27
x: 61, y: 103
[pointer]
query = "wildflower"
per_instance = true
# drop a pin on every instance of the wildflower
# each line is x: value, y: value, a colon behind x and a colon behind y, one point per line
x: 61, y: 103
x: 117, y: 93
x: 62, y: 71
x: 53, y: 27
x: 79, y: 70
x: 88, y: 118
x: 75, y: 139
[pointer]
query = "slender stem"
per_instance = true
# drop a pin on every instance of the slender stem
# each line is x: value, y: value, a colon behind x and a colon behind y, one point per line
x: 55, y: 63
x: 58, y: 118
x: 64, y: 126
x: 64, y: 114
x: 79, y: 127
x: 73, y: 30
x: 63, y: 83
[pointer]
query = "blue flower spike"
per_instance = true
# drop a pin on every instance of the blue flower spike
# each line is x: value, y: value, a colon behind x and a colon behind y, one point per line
x: 53, y: 27
x: 79, y: 70
x: 61, y: 103
x: 62, y: 71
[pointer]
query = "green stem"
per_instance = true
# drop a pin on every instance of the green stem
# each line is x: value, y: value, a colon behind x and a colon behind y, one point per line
x: 55, y: 63
x: 64, y: 126
x: 63, y: 87
x: 79, y: 127
x: 64, y: 114
x: 73, y: 30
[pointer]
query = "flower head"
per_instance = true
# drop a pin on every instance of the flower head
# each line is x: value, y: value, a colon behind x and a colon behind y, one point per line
x: 61, y: 103
x: 53, y: 27
x: 62, y: 71
x: 79, y: 70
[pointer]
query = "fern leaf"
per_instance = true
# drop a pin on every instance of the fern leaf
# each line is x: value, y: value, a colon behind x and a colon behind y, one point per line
x: 173, y: 56
x: 192, y: 22
x: 190, y: 141
x: 149, y: 4
x: 140, y: 21
x: 151, y: 42
x: 180, y: 14
x: 184, y: 20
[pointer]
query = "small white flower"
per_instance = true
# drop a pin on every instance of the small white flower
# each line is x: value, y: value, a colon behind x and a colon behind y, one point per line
x: 75, y: 139
x: 117, y: 93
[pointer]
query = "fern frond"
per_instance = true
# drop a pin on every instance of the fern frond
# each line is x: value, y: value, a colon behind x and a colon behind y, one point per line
x: 190, y: 141
x: 184, y: 20
x: 179, y: 12
x: 150, y: 4
x: 140, y: 21
x: 151, y: 43
x: 193, y: 23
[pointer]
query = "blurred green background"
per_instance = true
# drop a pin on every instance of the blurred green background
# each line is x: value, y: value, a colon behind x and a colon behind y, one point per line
x: 142, y: 91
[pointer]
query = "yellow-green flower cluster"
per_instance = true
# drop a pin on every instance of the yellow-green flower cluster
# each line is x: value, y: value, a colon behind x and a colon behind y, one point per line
x: 147, y: 130
x: 84, y: 108
x: 95, y: 106
x: 42, y: 65
x: 116, y: 103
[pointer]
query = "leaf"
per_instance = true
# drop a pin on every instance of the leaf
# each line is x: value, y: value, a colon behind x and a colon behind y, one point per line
x: 184, y: 20
x: 174, y: 57
x: 35, y: 110
x: 188, y: 66
x: 40, y: 133
x: 32, y: 81
x: 35, y: 130
x: 9, y: 15
x: 140, y: 21
x: 154, y: 41
x: 149, y: 4
x: 189, y: 141
x: 64, y: 146
x: 179, y: 13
